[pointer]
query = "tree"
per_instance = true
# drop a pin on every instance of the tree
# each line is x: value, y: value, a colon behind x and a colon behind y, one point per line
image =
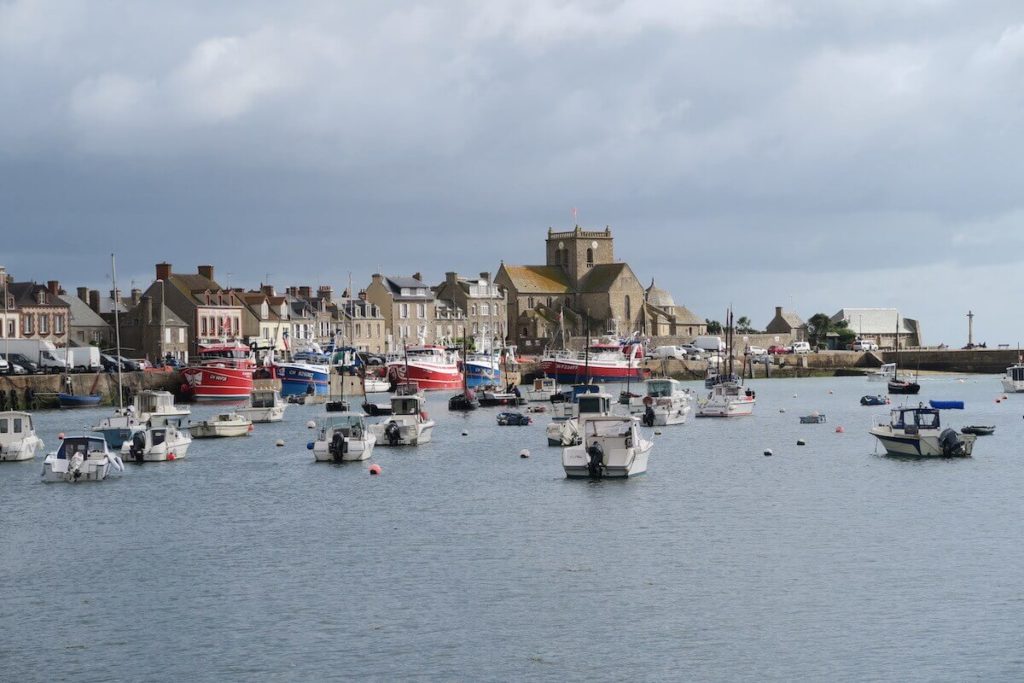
x: 818, y: 328
x: 846, y: 335
x: 743, y: 325
x: 714, y: 327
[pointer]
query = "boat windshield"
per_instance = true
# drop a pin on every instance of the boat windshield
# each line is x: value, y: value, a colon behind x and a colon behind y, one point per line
x: 343, y: 421
x: 409, y: 405
x: 262, y: 399
x: 609, y: 427
x: 79, y: 444
x: 15, y: 424
x: 915, y: 417
x: 661, y: 387
x: 594, y: 404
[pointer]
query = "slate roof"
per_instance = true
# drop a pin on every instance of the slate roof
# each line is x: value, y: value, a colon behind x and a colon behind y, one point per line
x: 684, y: 316
x: 396, y: 283
x: 538, y: 279
x: 25, y: 294
x: 81, y: 314
x: 601, y: 277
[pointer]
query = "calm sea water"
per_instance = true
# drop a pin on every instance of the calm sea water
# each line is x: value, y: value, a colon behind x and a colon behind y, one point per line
x: 464, y: 562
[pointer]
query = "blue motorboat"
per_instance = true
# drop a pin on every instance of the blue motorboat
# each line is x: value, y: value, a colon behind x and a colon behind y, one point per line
x: 302, y: 378
x: 78, y: 401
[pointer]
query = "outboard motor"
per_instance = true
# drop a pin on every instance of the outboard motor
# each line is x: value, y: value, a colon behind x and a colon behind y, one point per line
x: 337, y: 447
x: 137, y: 450
x: 950, y: 442
x: 649, y: 417
x: 392, y: 433
x: 596, y: 465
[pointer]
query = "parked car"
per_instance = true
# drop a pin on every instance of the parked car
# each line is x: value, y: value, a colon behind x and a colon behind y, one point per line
x: 109, y: 363
x: 800, y: 347
x: 777, y: 349
x: 756, y: 351
x: 692, y: 351
x: 5, y: 367
x: 22, y: 361
x: 129, y: 365
x: 864, y: 345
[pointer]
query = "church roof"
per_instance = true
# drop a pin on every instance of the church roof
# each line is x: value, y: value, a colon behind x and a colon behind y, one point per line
x: 538, y: 279
x: 601, y: 277
x: 656, y: 296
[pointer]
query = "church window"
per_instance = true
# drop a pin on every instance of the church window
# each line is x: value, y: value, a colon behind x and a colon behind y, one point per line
x: 629, y: 309
x: 590, y: 257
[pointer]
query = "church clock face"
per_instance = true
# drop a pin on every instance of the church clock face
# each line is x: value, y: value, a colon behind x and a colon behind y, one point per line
x: 593, y: 245
x: 561, y: 245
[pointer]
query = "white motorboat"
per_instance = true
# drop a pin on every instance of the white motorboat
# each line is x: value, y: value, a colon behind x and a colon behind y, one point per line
x: 564, y: 429
x: 665, y: 402
x: 159, y: 440
x: 918, y: 432
x: 542, y: 391
x: 612, y: 447
x: 727, y: 399
x: 18, y: 440
x: 81, y: 458
x: 883, y: 374
x: 146, y: 404
x: 221, y: 425
x: 408, y: 424
x: 343, y: 437
x: 1013, y: 380
x: 265, y: 405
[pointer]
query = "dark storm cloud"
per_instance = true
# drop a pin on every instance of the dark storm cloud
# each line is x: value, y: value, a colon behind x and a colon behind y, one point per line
x: 749, y: 151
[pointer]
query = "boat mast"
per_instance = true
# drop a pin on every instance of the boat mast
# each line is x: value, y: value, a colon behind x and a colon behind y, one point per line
x: 586, y: 354
x: 117, y: 333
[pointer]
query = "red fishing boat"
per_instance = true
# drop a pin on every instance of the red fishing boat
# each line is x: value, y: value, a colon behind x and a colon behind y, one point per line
x: 223, y: 371
x: 607, y: 361
x: 431, y: 367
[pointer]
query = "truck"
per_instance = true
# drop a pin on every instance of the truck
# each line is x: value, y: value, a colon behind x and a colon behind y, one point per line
x: 40, y: 351
x: 83, y: 359
x: 709, y: 343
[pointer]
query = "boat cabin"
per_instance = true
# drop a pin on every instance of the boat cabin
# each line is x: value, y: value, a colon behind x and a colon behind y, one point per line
x: 661, y: 388
x: 406, y: 405
x: 911, y: 420
x: 83, y: 445
x: 14, y: 426
x: 264, y: 398
x: 350, y: 426
x: 1016, y: 373
x: 604, y: 429
x: 154, y: 402
x: 600, y: 404
x: 545, y: 384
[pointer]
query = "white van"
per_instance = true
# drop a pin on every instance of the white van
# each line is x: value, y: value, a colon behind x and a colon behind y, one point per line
x: 709, y: 343
x: 800, y: 347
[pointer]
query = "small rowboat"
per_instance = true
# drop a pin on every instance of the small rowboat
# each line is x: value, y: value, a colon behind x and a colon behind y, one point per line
x: 813, y: 418
x: 76, y: 401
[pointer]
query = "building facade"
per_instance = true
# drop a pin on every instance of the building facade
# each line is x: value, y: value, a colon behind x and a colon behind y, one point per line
x: 211, y: 312
x: 408, y: 307
x: 42, y: 314
x: 482, y: 304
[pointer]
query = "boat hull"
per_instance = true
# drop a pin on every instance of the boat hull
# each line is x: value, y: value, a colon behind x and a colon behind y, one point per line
x: 216, y: 431
x: 356, y: 450
x: 482, y: 373
x: 732, y: 408
x: 23, y: 449
x: 296, y: 379
x: 569, y: 371
x: 408, y: 434
x: 162, y: 453
x: 263, y: 415
x: 75, y: 401
x: 428, y: 377
x: 91, y: 470
x: 575, y: 463
x: 218, y: 384
x: 919, y: 446
x: 1012, y: 387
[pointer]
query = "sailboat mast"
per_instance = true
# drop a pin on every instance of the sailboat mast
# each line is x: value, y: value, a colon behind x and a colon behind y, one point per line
x: 117, y: 332
x: 586, y: 355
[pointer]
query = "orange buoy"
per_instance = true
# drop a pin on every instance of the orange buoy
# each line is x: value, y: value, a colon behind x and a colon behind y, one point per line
x: 170, y: 456
x: 839, y: 429
x: 60, y: 437
x: 250, y: 427
x: 374, y: 468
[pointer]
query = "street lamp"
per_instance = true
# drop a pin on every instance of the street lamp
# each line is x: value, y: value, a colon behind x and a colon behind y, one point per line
x: 6, y: 330
x: 162, y: 324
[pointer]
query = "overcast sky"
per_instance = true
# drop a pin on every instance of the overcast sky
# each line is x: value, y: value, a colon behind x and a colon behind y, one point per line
x: 759, y: 152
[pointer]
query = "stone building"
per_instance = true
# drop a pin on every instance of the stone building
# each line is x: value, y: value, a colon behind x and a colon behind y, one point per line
x: 408, y: 307
x: 211, y: 312
x: 151, y: 331
x: 360, y: 324
x: 663, y: 318
x: 880, y: 326
x: 482, y: 303
x: 787, y: 323
x: 42, y: 314
x: 580, y: 283
x: 86, y: 326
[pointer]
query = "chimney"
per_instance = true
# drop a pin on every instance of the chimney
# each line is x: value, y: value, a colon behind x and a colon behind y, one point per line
x: 291, y: 291
x: 451, y: 278
x: 778, y: 311
x: 305, y: 292
x: 163, y: 271
x: 362, y: 295
x: 147, y: 309
x: 83, y: 294
x: 486, y: 277
x: 325, y: 292
x: 136, y: 297
x: 206, y: 271
x: 53, y: 286
x: 268, y: 290
x: 94, y: 300
x: 417, y: 276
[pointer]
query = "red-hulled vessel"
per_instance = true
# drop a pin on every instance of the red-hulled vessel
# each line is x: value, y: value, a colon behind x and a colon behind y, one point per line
x: 223, y: 372
x: 601, y: 362
x: 431, y: 367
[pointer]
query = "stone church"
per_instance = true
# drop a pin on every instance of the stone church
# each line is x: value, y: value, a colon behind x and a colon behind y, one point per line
x: 580, y: 282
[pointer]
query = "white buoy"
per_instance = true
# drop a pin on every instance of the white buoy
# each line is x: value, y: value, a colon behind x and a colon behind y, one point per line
x: 525, y: 453
x: 768, y: 451
x: 311, y: 424
x: 279, y: 443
